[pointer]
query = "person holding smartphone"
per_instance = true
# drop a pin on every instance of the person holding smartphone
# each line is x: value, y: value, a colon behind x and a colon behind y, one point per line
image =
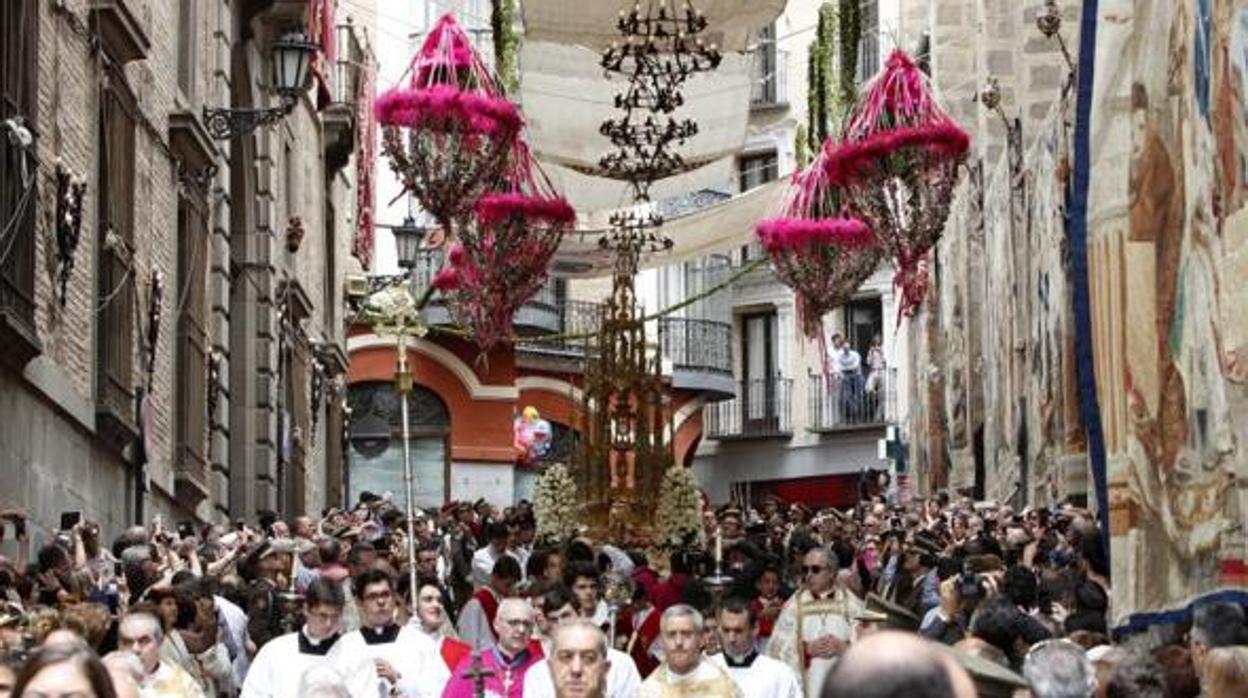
x: 89, y: 555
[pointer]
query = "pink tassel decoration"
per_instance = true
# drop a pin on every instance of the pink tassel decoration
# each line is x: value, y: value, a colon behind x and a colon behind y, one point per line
x: 898, y: 162
x: 448, y: 133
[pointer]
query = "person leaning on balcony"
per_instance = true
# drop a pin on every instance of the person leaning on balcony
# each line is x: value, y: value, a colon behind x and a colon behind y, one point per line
x: 848, y: 365
x: 875, y: 364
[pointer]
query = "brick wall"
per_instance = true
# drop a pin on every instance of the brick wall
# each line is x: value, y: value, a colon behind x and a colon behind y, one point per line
x: 55, y: 440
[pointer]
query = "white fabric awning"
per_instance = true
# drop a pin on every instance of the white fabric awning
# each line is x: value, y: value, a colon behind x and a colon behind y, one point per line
x: 592, y: 23
x: 713, y: 229
x: 566, y: 97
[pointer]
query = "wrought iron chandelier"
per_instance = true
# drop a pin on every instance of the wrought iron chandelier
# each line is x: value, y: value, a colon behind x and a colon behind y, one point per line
x: 629, y: 448
x: 661, y: 49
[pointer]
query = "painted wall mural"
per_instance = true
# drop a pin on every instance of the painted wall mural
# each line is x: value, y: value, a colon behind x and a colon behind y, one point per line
x: 1168, y: 268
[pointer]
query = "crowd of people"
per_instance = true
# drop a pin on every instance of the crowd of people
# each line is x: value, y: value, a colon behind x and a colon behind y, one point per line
x: 937, y: 597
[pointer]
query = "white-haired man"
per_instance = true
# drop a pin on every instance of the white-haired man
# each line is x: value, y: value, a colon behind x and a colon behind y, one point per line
x: 140, y: 634
x: 685, y: 672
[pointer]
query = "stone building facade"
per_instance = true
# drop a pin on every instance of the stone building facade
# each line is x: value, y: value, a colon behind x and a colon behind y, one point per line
x: 992, y: 407
x: 1107, y: 364
x: 141, y: 361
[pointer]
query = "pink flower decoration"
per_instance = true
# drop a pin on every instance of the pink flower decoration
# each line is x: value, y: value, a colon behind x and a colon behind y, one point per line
x: 802, y: 234
x: 448, y: 108
x: 850, y: 160
x: 456, y: 255
x: 495, y: 208
x: 447, y: 279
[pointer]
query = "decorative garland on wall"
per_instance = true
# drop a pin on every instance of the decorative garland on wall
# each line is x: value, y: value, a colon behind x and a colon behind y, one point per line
x: 506, y: 44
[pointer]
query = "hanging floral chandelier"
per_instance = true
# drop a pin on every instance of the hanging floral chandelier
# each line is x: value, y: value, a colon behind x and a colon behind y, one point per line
x: 449, y: 132
x: 818, y: 250
x: 502, y: 260
x: 898, y: 161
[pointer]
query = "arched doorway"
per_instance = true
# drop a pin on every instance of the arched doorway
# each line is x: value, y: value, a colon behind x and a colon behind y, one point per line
x: 375, y: 463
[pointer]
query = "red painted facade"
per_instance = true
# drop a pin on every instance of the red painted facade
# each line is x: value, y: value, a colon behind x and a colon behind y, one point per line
x: 483, y: 396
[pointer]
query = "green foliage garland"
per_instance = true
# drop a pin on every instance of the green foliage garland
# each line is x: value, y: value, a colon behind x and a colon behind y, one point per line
x: 502, y: 25
x: 849, y: 30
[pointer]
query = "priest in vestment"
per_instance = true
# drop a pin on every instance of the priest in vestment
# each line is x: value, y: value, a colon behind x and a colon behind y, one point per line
x: 759, y: 676
x: 507, y: 661
x: 476, y: 618
x: 817, y: 624
x: 685, y: 672
x: 276, y: 670
x: 405, y: 660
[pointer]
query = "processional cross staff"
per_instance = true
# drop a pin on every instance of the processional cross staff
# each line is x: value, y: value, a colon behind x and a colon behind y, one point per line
x: 395, y: 311
x: 477, y: 674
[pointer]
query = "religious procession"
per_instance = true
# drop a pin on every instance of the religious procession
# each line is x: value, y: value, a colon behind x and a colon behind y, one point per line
x: 623, y: 349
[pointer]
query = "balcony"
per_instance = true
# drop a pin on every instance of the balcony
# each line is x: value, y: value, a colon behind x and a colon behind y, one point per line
x: 840, y: 403
x: 701, y: 355
x: 769, y: 88
x: 761, y: 410
x: 578, y: 324
x: 541, y: 314
x: 345, y: 77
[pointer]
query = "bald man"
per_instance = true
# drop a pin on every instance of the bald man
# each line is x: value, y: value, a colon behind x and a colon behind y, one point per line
x: 897, y: 665
x: 509, y: 659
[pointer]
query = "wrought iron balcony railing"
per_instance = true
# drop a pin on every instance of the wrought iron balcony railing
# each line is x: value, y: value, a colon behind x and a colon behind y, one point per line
x: 348, y: 68
x: 761, y: 409
x: 696, y: 345
x: 852, y: 401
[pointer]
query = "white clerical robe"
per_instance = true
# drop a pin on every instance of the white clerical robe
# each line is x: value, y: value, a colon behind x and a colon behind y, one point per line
x: 422, y: 673
x: 805, y: 618
x: 623, y: 679
x: 763, y: 678
x: 277, y: 670
x: 707, y: 680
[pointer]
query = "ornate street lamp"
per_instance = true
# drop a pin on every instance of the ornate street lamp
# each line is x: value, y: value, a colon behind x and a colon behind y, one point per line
x: 291, y: 55
x: 408, y: 238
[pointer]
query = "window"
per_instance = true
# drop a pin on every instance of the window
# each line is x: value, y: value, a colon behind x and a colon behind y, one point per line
x: 192, y: 356
x: 288, y: 180
x: 376, y: 449
x: 864, y: 319
x: 764, y: 89
x: 330, y: 286
x: 19, y: 24
x: 756, y: 170
x: 188, y: 47
x: 115, y: 291
x: 759, y: 347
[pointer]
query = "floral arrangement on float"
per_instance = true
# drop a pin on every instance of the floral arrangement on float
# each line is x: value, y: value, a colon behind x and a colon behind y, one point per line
x: 817, y: 247
x: 898, y: 160
x: 678, y: 517
x: 503, y: 259
x: 449, y: 132
x: 555, y: 504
